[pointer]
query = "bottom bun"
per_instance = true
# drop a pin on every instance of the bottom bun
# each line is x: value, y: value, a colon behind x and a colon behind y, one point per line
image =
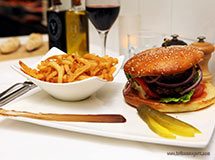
x: 207, y: 99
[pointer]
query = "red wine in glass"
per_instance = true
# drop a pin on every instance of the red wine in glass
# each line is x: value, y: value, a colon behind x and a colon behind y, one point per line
x: 103, y: 16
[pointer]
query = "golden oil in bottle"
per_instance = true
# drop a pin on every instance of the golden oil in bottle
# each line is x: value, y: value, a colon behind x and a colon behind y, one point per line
x: 77, y: 36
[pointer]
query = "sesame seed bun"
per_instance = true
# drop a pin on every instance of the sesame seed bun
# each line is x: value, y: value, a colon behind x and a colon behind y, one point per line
x: 163, y: 61
x: 207, y: 99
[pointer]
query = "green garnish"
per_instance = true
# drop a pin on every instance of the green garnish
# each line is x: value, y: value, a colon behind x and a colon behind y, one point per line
x: 128, y: 76
x: 184, y: 99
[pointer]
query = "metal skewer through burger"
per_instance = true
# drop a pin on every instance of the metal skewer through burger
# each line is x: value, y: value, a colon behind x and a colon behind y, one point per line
x: 168, y: 79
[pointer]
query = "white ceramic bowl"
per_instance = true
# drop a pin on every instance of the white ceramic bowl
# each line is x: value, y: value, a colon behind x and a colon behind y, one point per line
x: 73, y: 91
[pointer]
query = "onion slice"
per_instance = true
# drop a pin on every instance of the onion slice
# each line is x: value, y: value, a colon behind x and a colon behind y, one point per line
x: 150, y: 79
x: 127, y: 88
x: 195, y: 84
x: 173, y: 85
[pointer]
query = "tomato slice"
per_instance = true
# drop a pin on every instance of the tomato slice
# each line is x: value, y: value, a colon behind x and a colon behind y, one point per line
x: 145, y: 87
x: 199, y: 90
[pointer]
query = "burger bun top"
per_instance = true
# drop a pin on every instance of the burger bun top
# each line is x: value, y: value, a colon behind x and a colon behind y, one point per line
x: 163, y: 61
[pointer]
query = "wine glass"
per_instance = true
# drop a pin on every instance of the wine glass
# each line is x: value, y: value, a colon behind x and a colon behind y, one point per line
x: 102, y: 14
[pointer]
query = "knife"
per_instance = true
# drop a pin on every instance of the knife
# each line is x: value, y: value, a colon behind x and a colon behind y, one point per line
x: 99, y: 118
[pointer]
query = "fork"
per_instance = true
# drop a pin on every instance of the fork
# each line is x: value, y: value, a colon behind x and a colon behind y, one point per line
x: 15, y: 91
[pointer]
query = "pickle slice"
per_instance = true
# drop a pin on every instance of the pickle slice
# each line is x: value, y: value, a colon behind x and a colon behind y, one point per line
x: 174, y: 125
x: 187, y: 132
x: 171, y: 119
x: 156, y: 127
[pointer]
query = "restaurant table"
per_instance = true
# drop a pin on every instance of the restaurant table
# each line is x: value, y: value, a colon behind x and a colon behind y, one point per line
x: 26, y: 141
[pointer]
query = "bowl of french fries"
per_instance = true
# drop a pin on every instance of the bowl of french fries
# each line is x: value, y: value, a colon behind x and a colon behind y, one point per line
x: 69, y: 77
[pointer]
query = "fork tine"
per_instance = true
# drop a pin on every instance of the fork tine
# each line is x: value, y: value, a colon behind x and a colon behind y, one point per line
x: 10, y: 94
x: 9, y: 89
x: 8, y: 98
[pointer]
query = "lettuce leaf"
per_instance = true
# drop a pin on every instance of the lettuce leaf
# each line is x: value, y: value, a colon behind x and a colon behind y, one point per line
x: 128, y: 76
x: 184, y: 99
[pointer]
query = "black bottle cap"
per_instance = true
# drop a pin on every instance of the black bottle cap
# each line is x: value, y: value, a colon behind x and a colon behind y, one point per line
x: 201, y: 38
x: 174, y: 36
x: 173, y: 41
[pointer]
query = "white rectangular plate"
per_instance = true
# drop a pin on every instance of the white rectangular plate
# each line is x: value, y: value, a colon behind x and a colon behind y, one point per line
x: 109, y: 99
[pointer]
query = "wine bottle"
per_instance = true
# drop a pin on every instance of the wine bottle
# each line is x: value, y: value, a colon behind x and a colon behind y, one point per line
x: 77, y: 29
x: 56, y: 26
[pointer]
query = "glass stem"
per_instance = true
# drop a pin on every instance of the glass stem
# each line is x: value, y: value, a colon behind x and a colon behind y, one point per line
x: 103, y: 35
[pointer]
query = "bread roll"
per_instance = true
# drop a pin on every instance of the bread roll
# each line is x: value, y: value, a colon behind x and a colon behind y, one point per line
x: 35, y: 41
x: 11, y: 45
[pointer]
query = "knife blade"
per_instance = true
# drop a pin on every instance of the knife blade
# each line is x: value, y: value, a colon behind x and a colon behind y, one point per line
x: 99, y: 118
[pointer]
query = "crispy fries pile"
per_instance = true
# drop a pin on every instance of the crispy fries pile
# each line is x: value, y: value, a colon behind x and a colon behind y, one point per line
x: 70, y: 67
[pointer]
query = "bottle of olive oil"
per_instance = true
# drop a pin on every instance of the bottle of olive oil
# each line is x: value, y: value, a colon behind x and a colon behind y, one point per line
x: 77, y: 35
x: 56, y: 26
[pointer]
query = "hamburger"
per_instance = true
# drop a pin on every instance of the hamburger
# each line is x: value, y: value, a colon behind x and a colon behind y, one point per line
x: 168, y: 79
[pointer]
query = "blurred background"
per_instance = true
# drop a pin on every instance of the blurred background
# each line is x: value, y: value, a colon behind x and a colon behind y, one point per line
x: 188, y: 18
x: 22, y: 17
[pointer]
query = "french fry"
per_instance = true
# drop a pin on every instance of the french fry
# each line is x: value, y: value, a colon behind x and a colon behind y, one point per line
x: 32, y: 72
x: 78, y: 72
x: 59, y: 70
x: 70, y: 67
x: 51, y: 75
